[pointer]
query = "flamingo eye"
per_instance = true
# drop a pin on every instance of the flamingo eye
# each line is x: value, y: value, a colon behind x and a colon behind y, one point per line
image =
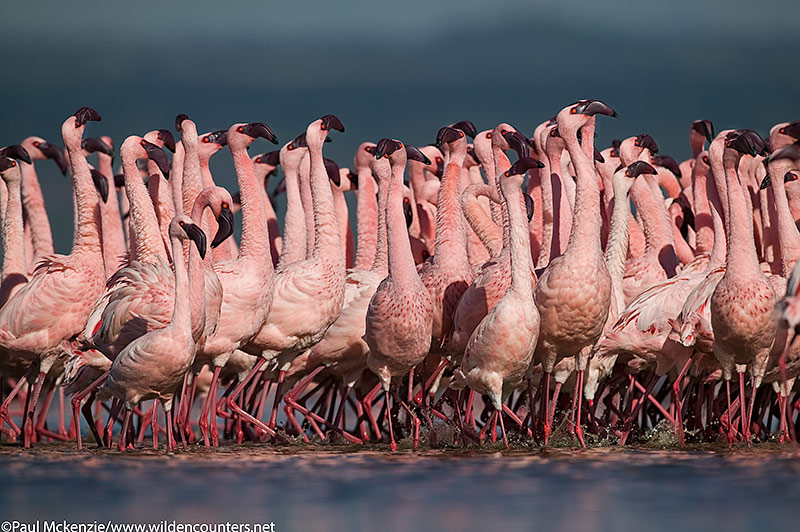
x: 489, y: 135
x: 705, y: 159
x: 13, y: 163
x: 181, y: 224
x: 205, y: 140
x: 224, y: 204
x: 573, y: 110
x: 239, y: 129
x: 628, y: 173
x: 36, y: 143
x: 322, y: 127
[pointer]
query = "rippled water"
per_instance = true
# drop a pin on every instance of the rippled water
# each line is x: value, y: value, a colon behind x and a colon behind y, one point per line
x: 307, y: 489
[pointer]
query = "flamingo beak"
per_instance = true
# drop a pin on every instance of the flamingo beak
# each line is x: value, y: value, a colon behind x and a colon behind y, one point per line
x: 157, y: 155
x: 225, y: 229
x: 165, y: 136
x: 332, y: 122
x: 528, y: 205
x: 333, y: 171
x: 467, y: 127
x: 407, y: 212
x: 86, y: 114
x: 101, y: 184
x: 51, y: 151
x: 179, y: 121
x: 260, y: 130
x: 705, y: 128
x: 446, y: 135
x: 93, y: 145
x: 15, y: 151
x: 414, y: 154
x: 197, y: 236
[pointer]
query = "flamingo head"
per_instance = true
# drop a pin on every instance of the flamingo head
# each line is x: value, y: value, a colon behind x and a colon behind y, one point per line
x: 39, y: 149
x: 9, y: 169
x: 467, y: 127
x: 243, y: 134
x: 96, y: 145
x: 576, y: 115
x: 669, y: 163
x: 220, y: 202
x: 507, y: 137
x: 210, y: 143
x: 364, y: 155
x: 183, y: 228
x: 436, y: 164
x: 16, y: 151
x: 704, y: 128
x: 162, y: 138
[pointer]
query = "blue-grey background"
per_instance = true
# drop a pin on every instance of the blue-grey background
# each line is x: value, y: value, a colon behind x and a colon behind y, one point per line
x: 400, y: 69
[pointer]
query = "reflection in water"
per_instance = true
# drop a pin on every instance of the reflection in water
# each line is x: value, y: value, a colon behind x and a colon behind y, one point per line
x: 302, y: 489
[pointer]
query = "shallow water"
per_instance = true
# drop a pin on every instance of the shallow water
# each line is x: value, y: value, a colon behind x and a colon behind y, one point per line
x: 309, y: 489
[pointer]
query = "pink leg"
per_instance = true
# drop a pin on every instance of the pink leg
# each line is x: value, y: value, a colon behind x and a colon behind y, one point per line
x: 368, y: 410
x: 122, y: 445
x: 414, y: 420
x: 77, y: 400
x: 112, y: 418
x: 649, y: 397
x: 154, y: 424
x: 28, y: 428
x: 750, y: 411
x: 503, y: 427
x: 578, y: 430
x: 4, y: 415
x: 628, y: 425
x: 273, y: 418
x: 62, y: 426
x: 147, y: 421
x: 546, y: 406
x: 730, y: 414
x: 676, y: 400
x: 204, y: 413
x: 171, y: 443
x: 236, y: 409
x: 262, y: 401
x: 551, y: 412
x: 743, y: 405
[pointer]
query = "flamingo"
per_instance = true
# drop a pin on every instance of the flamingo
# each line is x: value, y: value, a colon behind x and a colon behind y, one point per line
x: 501, y: 347
x: 32, y: 198
x: 743, y: 300
x: 573, y: 294
x: 247, y: 280
x: 299, y: 285
x: 55, y: 303
x: 265, y: 165
x: 400, y: 315
x: 153, y: 365
x: 368, y: 211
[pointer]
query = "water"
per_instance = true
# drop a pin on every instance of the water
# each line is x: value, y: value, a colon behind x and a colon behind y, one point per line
x: 309, y: 488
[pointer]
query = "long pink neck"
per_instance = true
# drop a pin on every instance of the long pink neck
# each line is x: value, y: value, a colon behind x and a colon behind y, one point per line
x: 742, y: 257
x: 383, y: 173
x: 294, y: 225
x: 114, y: 248
x: 659, y: 245
x: 205, y: 171
x: 308, y: 204
x: 13, y: 230
x: 617, y: 247
x: 181, y: 313
x: 561, y: 214
x: 402, y: 269
x: 788, y: 235
x: 584, y: 235
x: 272, y: 218
x: 327, y: 239
x: 255, y: 238
x: 368, y: 223
x: 86, y: 238
x: 490, y: 235
x: 176, y: 171
x: 343, y: 222
x: 162, y: 202
x: 451, y: 242
x: 719, y: 251
x: 192, y: 181
x: 33, y: 202
x: 142, y: 218
x: 501, y: 164
x: 704, y: 231
x: 519, y: 238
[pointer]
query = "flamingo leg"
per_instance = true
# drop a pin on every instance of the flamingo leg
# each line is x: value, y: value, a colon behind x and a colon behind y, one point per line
x: 367, y: 401
x: 77, y: 399
x: 276, y: 403
x: 579, y: 392
x: 204, y: 413
x: 628, y: 425
x: 122, y: 446
x: 743, y: 405
x: 28, y: 429
x: 4, y: 415
x: 392, y: 443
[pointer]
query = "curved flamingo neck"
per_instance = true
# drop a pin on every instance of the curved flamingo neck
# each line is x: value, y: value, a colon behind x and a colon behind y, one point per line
x: 176, y: 171
x: 86, y: 238
x: 742, y: 257
x: 481, y: 222
x: 142, y: 218
x: 308, y: 204
x: 255, y: 238
x: 181, y: 313
x: 501, y: 164
x: 192, y: 180
x: 719, y: 251
x: 369, y: 220
x: 383, y: 173
x: 327, y: 239
x: 618, y: 240
x: 342, y: 219
x: 294, y: 225
x: 585, y: 232
x: 704, y: 231
x: 402, y: 269
x: 519, y: 238
x: 561, y: 214
x: 33, y: 201
x: 13, y: 230
x: 113, y: 234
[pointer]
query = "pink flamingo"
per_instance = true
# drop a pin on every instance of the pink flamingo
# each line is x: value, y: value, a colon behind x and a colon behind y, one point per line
x: 32, y: 198
x: 501, y: 347
x: 574, y: 292
x: 742, y: 303
x: 153, y: 365
x: 55, y: 303
x: 247, y: 280
x: 400, y: 314
x: 493, y: 279
x: 367, y: 210
x: 265, y: 165
x: 299, y: 285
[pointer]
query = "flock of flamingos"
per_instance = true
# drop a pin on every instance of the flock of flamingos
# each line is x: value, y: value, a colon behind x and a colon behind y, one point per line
x: 479, y: 296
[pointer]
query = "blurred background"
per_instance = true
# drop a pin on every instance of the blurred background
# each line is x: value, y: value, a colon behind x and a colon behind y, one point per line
x: 400, y: 69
